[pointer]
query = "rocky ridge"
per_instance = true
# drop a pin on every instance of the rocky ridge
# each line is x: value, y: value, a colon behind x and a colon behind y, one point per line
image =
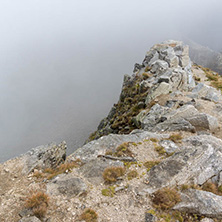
x: 163, y: 135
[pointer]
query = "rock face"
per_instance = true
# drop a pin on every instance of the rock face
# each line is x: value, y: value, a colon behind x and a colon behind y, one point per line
x: 205, y: 92
x: 185, y: 118
x: 196, y: 163
x: 200, y: 202
x: 92, y: 150
x: 48, y: 156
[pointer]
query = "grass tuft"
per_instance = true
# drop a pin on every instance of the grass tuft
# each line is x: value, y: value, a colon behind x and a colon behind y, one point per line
x: 89, y: 215
x: 166, y: 198
x: 38, y: 203
x: 132, y: 174
x: 123, y: 150
x: 109, y: 192
x: 176, y: 138
x: 150, y: 164
x: 111, y: 174
x: 50, y: 173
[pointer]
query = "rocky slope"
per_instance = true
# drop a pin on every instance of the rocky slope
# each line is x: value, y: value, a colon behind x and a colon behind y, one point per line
x: 157, y: 156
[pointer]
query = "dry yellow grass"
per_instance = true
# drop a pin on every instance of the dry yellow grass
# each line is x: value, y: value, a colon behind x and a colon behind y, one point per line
x: 38, y: 202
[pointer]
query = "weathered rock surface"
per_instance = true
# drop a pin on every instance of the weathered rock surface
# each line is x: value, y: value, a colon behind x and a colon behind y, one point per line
x: 201, y: 203
x: 206, y: 92
x: 202, y: 121
x: 67, y: 185
x: 93, y: 169
x: 199, y: 161
x: 93, y: 149
x: 48, y: 156
x: 30, y: 219
x: 185, y: 118
x: 169, y: 146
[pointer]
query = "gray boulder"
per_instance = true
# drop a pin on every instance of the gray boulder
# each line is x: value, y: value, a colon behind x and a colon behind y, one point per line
x: 199, y: 160
x: 66, y: 185
x: 206, y: 92
x: 150, y: 57
x: 93, y: 169
x: 46, y: 156
x: 159, y: 66
x: 201, y: 203
x: 177, y: 124
x: 202, y: 121
x: 161, y: 89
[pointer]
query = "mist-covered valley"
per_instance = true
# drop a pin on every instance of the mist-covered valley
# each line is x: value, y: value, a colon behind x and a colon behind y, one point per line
x: 62, y: 63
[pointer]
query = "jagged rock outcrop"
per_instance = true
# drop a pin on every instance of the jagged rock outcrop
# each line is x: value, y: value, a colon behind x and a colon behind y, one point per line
x: 206, y: 92
x: 201, y: 203
x: 196, y: 163
x: 166, y: 68
x: 46, y: 156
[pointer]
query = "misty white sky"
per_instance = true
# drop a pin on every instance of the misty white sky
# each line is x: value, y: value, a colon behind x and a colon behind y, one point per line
x: 62, y: 62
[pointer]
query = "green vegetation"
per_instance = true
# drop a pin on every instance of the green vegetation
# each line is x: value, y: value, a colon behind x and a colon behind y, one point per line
x: 110, y: 191
x: 160, y: 150
x: 150, y: 164
x: 121, y: 120
x: 214, y: 78
x: 123, y: 150
x: 176, y: 138
x: 154, y: 140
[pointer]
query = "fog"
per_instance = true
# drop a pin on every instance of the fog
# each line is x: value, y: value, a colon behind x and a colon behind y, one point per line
x: 62, y: 62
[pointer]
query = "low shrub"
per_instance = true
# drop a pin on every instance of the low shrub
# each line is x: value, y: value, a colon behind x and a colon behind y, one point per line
x: 89, y: 215
x: 165, y: 198
x: 111, y: 174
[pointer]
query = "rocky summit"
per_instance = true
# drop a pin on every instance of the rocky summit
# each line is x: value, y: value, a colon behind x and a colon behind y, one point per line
x: 157, y: 156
